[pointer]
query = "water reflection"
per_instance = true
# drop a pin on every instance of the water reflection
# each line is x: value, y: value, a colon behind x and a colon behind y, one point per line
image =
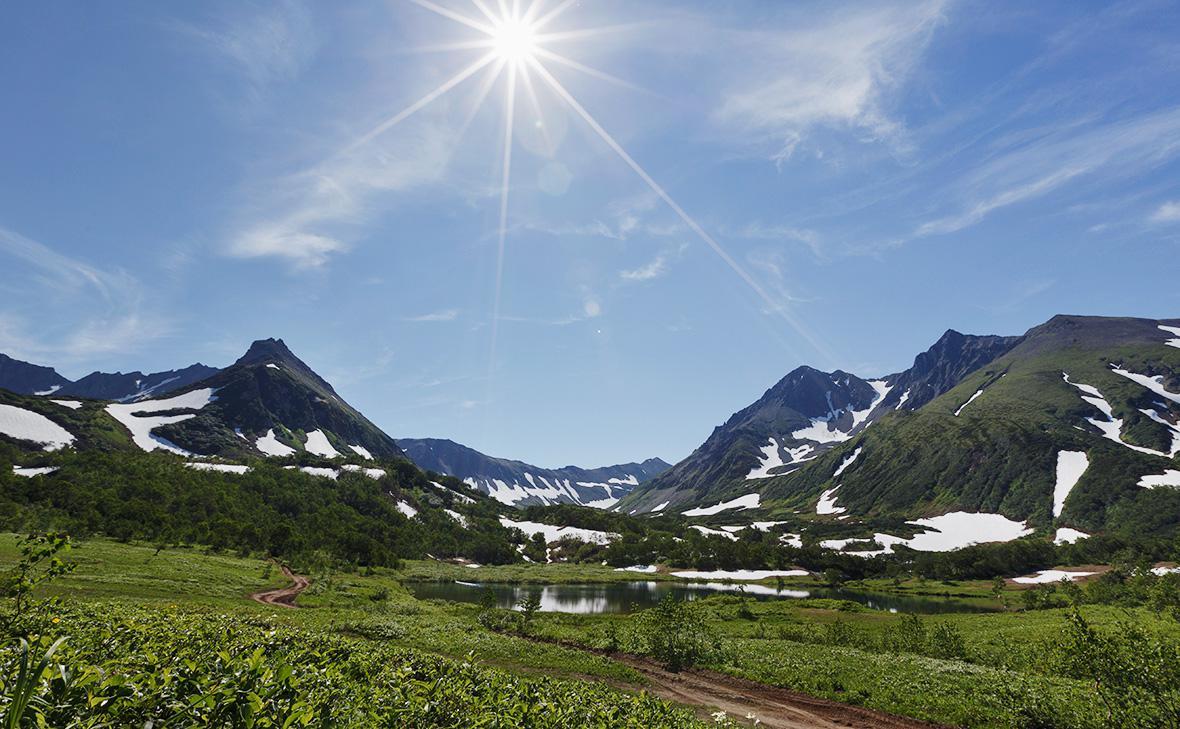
x: 623, y: 597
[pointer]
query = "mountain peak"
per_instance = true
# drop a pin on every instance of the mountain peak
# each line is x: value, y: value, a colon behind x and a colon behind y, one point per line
x: 267, y: 350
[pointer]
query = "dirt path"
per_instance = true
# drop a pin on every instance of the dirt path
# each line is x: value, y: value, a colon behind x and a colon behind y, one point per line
x: 285, y: 596
x: 776, y: 708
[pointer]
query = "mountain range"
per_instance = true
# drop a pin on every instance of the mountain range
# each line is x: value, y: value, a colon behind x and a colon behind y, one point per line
x: 521, y: 484
x: 1075, y: 424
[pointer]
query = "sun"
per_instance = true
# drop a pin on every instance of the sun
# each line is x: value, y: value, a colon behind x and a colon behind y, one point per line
x: 514, y: 40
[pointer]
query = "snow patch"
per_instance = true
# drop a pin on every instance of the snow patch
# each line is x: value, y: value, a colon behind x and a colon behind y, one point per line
x: 220, y: 467
x: 847, y: 462
x: 969, y: 401
x: 362, y: 452
x: 661, y: 507
x: 331, y: 473
x: 1065, y: 535
x: 273, y: 366
x: 771, y: 458
x: 373, y: 473
x: 1048, y: 576
x: 71, y: 404
x: 1172, y: 330
x: 408, y: 511
x: 714, y: 532
x: 1070, y: 467
x: 457, y: 517
x: 1110, y: 427
x: 27, y: 425
x: 1169, y: 478
x: 827, y: 503
x: 628, y: 481
x: 749, y: 501
x: 131, y: 416
x: 751, y: 575
x: 50, y: 391
x: 271, y: 446
x: 317, y: 444
x: 554, y: 533
x: 30, y: 472
x: 644, y: 568
x: 792, y: 540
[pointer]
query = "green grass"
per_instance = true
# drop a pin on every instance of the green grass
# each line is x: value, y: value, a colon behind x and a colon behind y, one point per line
x: 1002, y: 677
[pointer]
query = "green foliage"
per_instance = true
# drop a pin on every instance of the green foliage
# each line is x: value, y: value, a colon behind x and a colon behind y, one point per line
x: 1135, y: 674
x: 40, y: 562
x: 134, y: 667
x: 676, y: 634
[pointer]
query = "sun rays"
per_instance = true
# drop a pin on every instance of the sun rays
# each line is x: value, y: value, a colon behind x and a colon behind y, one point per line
x: 514, y: 47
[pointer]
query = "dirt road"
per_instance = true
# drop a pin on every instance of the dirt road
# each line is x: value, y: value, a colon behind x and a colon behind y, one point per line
x: 283, y: 597
x: 775, y: 708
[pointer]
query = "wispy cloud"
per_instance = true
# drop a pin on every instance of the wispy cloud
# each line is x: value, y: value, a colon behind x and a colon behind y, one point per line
x: 104, y: 307
x: 308, y: 217
x: 1117, y: 149
x: 262, y: 45
x: 1169, y: 212
x: 833, y: 70
x: 656, y: 267
x: 780, y: 233
x: 435, y: 316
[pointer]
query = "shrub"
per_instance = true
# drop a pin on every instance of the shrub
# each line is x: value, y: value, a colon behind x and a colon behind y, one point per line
x: 676, y: 634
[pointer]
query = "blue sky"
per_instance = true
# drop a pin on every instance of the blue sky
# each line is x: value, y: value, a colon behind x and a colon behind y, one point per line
x: 180, y: 179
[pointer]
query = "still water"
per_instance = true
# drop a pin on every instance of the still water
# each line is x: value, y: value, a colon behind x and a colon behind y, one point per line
x: 623, y: 597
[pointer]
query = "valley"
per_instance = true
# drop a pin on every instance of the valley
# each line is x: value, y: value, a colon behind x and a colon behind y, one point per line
x: 968, y: 552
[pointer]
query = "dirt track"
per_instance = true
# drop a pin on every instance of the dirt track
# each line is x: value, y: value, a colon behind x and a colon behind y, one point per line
x: 283, y: 597
x: 707, y: 691
x: 776, y: 708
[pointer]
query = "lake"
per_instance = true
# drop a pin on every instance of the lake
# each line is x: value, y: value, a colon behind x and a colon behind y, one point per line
x: 624, y: 597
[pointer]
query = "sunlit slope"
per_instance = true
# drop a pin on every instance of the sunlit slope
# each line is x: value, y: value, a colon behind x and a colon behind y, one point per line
x: 1000, y: 453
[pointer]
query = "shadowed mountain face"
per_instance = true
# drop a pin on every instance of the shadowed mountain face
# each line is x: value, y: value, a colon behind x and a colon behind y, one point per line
x: 135, y: 386
x: 521, y: 484
x: 29, y: 379
x: 270, y: 402
x: 806, y: 414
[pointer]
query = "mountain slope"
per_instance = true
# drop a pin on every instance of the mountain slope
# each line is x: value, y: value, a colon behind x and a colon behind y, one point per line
x: 268, y: 403
x: 135, y: 386
x: 804, y: 415
x: 520, y: 484
x: 1078, y: 425
x: 29, y: 379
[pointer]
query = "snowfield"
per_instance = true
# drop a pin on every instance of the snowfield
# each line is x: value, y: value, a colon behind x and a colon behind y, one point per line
x: 661, y: 507
x: 1048, y: 576
x: 1070, y: 467
x: 27, y: 425
x: 749, y: 501
x: 407, y: 510
x: 944, y: 533
x: 131, y: 415
x: 269, y: 445
x: 644, y: 568
x: 1155, y: 384
x: 71, y: 404
x: 751, y: 575
x: 317, y: 444
x: 553, y: 533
